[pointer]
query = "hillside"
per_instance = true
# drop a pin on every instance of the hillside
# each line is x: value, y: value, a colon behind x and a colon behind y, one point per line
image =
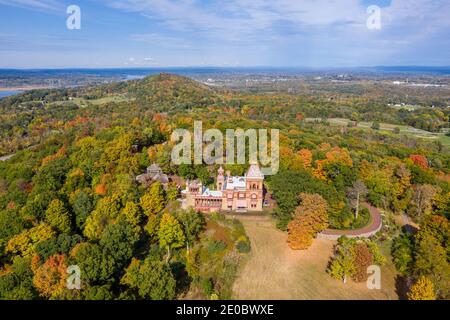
x: 69, y: 195
x: 162, y: 91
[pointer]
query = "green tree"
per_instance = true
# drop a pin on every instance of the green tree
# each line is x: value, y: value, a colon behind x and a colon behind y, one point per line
x: 376, y: 125
x: 402, y: 252
x: 98, y: 293
x: 10, y: 224
x: 342, y: 264
x: 170, y: 234
x: 62, y: 244
x: 152, y: 226
x: 95, y: 263
x: 17, y: 282
x: 151, y: 278
x: 192, y: 222
x: 118, y: 241
x: 431, y: 261
x: 82, y: 205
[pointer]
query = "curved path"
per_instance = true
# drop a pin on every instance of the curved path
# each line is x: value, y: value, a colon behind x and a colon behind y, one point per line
x: 373, y: 227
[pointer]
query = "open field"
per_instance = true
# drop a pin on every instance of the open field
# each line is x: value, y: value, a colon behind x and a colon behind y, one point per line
x: 274, y: 271
x: 388, y: 127
x: 84, y: 102
x: 100, y: 101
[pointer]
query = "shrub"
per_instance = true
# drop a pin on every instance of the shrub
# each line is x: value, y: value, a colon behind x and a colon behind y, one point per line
x: 243, y: 245
x: 216, y: 246
x: 208, y: 286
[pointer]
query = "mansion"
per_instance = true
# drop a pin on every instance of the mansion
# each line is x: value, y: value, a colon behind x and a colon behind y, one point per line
x: 233, y: 193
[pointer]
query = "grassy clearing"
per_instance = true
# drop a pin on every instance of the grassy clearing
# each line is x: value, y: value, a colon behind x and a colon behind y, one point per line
x: 389, y: 128
x: 96, y: 102
x: 273, y: 271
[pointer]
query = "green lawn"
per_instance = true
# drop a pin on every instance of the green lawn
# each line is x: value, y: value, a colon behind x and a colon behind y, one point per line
x: 389, y: 128
x: 97, y: 102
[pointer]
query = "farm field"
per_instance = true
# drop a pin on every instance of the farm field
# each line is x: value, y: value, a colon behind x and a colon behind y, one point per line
x: 274, y: 271
x: 388, y: 127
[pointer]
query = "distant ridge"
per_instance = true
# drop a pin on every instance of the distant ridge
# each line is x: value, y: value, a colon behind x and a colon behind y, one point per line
x: 123, y: 72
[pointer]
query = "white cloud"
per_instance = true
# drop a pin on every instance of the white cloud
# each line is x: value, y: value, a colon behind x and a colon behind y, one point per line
x: 232, y: 18
x: 41, y: 5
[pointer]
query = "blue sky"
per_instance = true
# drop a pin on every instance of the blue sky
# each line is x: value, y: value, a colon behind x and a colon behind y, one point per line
x: 161, y: 33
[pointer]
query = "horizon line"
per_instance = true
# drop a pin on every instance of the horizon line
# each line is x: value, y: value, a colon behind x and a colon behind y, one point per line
x: 221, y: 67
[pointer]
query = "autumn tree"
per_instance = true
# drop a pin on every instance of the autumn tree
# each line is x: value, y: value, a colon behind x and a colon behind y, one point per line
x: 58, y: 216
x: 170, y: 234
x: 431, y: 261
x: 152, y: 226
x: 422, y: 200
x: 419, y: 160
x: 299, y: 235
x: 310, y: 217
x: 357, y: 193
x: 423, y: 289
x: 131, y: 213
x: 172, y: 192
x: 363, y: 258
x: 154, y: 200
x: 106, y: 211
x: 25, y: 242
x: 401, y: 188
x: 342, y: 264
x: 305, y: 158
x: 50, y: 277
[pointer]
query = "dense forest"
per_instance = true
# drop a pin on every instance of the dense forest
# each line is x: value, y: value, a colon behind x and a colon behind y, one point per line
x: 68, y: 195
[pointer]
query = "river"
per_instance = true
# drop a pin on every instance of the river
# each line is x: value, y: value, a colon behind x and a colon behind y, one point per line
x: 7, y: 93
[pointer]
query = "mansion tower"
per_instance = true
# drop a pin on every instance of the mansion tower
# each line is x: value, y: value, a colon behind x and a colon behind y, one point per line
x: 233, y: 193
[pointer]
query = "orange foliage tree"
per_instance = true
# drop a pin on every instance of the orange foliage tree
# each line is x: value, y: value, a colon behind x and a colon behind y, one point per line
x: 419, y: 160
x: 305, y: 157
x: 333, y: 155
x: 363, y: 258
x: 310, y: 217
x: 50, y: 277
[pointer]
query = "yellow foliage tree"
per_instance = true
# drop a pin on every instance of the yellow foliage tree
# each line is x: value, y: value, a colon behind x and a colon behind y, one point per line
x: 423, y: 289
x: 25, y: 242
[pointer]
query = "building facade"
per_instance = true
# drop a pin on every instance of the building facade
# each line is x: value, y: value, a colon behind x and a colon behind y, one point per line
x: 152, y: 174
x: 233, y: 193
